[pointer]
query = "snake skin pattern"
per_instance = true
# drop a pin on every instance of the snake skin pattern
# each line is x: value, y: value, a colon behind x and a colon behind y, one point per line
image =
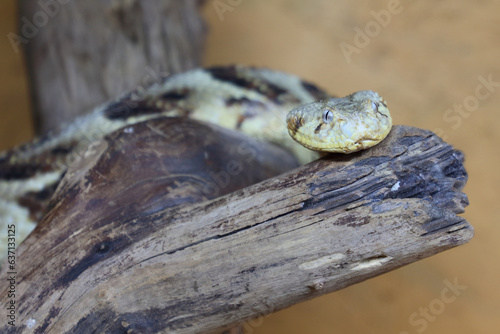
x: 252, y: 100
x: 273, y: 106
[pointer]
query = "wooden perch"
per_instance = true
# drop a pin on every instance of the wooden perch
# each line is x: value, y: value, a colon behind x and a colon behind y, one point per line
x: 97, y: 263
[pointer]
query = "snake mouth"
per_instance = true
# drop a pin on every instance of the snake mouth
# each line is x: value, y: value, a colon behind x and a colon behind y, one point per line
x: 344, y: 146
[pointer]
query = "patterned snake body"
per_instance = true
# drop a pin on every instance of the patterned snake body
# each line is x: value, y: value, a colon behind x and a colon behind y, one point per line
x: 252, y: 100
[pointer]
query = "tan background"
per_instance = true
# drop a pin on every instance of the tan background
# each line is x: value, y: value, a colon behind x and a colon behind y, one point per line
x: 426, y: 59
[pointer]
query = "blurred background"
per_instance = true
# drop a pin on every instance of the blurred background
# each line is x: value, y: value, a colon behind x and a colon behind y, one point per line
x: 437, y: 65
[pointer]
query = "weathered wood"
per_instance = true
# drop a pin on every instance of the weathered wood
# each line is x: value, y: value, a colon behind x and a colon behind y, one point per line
x: 83, y: 53
x: 94, y: 264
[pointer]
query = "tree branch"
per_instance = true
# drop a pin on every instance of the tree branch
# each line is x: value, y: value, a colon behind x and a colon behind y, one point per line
x: 89, y: 52
x: 98, y: 263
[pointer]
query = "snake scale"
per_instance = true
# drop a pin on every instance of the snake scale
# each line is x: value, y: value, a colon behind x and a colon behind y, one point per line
x: 270, y: 105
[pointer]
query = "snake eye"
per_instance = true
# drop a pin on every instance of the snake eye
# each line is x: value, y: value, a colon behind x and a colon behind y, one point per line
x: 327, y: 116
x: 375, y: 106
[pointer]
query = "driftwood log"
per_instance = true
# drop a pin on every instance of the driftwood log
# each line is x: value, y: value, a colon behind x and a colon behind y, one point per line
x: 83, y: 53
x: 110, y: 256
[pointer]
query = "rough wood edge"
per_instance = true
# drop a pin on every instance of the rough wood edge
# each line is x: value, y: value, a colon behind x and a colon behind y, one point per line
x: 201, y: 268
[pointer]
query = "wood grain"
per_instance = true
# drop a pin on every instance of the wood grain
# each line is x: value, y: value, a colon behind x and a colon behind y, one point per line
x: 193, y: 268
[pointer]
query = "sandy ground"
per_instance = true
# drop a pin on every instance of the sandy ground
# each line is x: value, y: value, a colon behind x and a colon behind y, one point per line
x: 436, y: 64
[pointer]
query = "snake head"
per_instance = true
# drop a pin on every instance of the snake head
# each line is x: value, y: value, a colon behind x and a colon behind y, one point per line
x: 342, y: 125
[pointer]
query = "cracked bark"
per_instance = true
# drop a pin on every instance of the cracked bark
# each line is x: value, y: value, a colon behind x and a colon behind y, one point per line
x: 133, y: 251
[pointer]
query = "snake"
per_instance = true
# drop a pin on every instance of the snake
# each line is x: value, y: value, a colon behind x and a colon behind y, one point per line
x: 270, y: 105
